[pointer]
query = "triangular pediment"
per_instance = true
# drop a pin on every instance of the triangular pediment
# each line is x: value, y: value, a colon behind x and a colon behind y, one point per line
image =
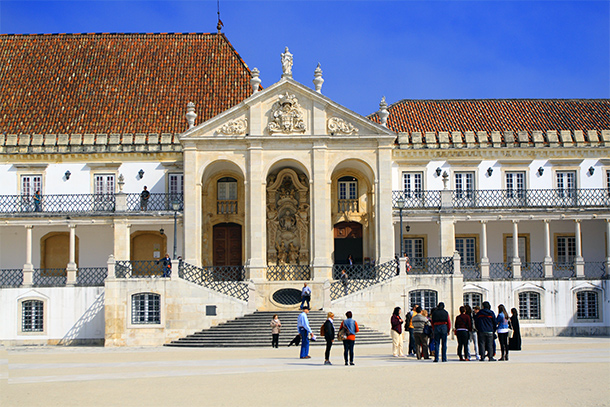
x: 287, y: 109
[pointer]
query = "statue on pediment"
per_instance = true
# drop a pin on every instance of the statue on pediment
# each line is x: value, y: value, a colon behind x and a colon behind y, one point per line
x: 286, y: 63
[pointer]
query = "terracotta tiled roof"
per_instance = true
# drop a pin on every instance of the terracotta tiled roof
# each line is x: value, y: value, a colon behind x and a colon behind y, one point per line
x: 498, y: 115
x: 116, y: 83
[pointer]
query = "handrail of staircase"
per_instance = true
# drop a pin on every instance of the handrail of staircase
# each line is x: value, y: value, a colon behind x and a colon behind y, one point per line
x: 210, y: 277
x: 380, y: 273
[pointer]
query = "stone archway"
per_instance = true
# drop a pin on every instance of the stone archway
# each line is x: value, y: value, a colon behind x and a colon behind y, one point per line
x: 288, y: 218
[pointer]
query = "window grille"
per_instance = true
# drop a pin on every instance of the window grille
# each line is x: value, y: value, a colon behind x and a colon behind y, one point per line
x: 529, y: 305
x: 32, y: 316
x: 472, y: 299
x: 146, y: 308
x: 426, y: 299
x: 587, y: 305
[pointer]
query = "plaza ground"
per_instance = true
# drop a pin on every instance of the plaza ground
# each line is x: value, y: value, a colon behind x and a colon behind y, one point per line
x: 548, y: 372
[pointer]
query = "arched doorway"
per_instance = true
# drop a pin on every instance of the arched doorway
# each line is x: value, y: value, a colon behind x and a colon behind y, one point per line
x: 227, y: 251
x: 348, y: 241
x: 147, y: 247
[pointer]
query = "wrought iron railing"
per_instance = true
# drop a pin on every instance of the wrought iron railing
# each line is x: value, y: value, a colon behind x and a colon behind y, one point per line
x: 91, y: 276
x: 11, y: 277
x: 431, y: 265
x: 595, y: 269
x: 506, y: 198
x: 355, y: 271
x: 382, y: 272
x: 155, y: 202
x: 348, y: 205
x: 49, y: 277
x: 140, y: 269
x: 471, y: 271
x: 226, y: 207
x: 86, y: 203
x: 564, y: 270
x: 500, y: 271
x: 417, y: 199
x: 532, y: 270
x: 288, y: 272
x: 209, y: 277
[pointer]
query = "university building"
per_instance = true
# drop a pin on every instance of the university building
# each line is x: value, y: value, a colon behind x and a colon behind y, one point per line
x: 118, y: 149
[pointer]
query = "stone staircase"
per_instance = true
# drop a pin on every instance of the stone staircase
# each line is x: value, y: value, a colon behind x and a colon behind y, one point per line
x: 253, y: 330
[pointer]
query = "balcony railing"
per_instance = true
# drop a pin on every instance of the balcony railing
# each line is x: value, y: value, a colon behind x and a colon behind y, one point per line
x: 288, y: 272
x: 226, y: 207
x: 431, y: 265
x: 505, y: 198
x: 88, y: 203
x: 348, y: 205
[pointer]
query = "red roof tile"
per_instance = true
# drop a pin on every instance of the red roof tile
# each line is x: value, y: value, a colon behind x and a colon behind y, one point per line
x: 116, y: 83
x: 498, y: 115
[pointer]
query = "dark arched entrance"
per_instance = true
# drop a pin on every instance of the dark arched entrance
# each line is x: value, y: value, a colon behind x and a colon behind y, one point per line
x: 348, y: 241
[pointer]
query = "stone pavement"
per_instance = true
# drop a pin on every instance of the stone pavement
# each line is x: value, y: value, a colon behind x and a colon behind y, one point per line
x: 549, y: 371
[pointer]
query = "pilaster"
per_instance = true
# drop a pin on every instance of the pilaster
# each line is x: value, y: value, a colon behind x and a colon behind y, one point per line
x: 192, y: 208
x: 122, y: 239
x: 321, y: 227
x: 383, y: 207
x: 28, y: 267
x: 71, y: 269
x: 446, y: 236
x: 256, y: 266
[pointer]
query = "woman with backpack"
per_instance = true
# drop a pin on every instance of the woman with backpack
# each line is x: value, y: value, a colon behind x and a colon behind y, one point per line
x: 328, y: 331
x: 351, y: 327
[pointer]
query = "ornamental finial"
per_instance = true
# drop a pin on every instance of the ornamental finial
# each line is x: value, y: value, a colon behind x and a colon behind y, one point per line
x: 383, y: 112
x: 190, y: 114
x: 318, y: 80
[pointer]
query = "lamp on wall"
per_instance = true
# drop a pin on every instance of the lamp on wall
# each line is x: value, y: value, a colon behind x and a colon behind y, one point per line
x: 67, y: 174
x: 141, y: 173
x: 540, y: 171
x: 407, y: 228
x: 490, y: 171
x: 591, y: 170
x: 162, y: 231
x: 438, y: 171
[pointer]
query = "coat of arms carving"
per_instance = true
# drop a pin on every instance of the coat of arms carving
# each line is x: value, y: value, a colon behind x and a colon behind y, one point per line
x: 286, y: 116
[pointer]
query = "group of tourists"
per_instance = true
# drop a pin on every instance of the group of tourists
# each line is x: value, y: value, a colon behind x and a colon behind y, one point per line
x: 480, y: 326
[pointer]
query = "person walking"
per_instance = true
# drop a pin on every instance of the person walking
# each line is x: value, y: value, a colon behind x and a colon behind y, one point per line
x: 275, y: 331
x: 442, y: 325
x: 305, y: 332
x: 37, y: 198
x: 167, y: 265
x: 305, y: 296
x: 514, y: 342
x: 420, y: 322
x: 348, y: 344
x: 502, y: 328
x: 144, y: 196
x: 396, y: 333
x: 329, y: 336
x: 344, y: 281
x: 463, y: 327
x: 485, y: 321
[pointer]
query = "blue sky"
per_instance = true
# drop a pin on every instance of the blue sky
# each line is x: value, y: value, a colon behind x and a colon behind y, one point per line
x: 368, y: 49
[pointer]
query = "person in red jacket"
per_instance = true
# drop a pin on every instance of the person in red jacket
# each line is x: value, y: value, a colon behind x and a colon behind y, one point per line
x: 441, y: 325
x: 463, y: 327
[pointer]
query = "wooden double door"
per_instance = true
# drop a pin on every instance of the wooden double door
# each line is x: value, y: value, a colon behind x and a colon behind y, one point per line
x: 227, y: 244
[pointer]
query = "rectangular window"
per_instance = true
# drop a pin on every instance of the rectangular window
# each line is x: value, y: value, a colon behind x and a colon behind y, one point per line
x: 29, y: 185
x: 515, y: 184
x: 32, y: 314
x: 412, y: 184
x: 522, y: 247
x: 466, y: 247
x: 472, y: 299
x: 566, y: 249
x: 348, y: 189
x: 227, y: 190
x: 586, y: 305
x: 529, y: 305
x: 176, y: 184
x: 103, y: 189
x: 566, y: 184
x: 414, y: 248
x: 146, y: 308
x: 464, y: 185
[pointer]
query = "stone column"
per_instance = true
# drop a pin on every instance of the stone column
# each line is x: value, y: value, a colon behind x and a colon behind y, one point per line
x: 579, y: 261
x: 383, y: 205
x: 192, y: 213
x: 257, y: 228
x: 28, y: 267
x: 122, y: 239
x: 484, y: 258
x: 548, y: 260
x: 321, y: 224
x: 446, y: 236
x: 71, y: 270
x: 516, y: 261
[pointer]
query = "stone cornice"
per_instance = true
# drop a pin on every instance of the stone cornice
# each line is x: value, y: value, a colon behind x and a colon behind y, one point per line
x: 29, y: 159
x: 502, y: 153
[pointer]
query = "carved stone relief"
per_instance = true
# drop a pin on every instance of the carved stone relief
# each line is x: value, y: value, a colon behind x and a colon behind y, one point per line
x: 286, y: 116
x: 234, y: 127
x: 340, y: 126
x: 287, y: 218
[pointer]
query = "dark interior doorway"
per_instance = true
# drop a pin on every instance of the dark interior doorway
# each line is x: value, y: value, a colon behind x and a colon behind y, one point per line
x: 348, y: 241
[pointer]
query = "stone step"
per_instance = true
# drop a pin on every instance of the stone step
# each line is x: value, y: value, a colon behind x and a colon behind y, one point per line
x: 253, y: 330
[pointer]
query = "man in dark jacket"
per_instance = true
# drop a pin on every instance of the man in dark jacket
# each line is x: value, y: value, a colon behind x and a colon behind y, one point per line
x: 485, y: 321
x: 442, y: 325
